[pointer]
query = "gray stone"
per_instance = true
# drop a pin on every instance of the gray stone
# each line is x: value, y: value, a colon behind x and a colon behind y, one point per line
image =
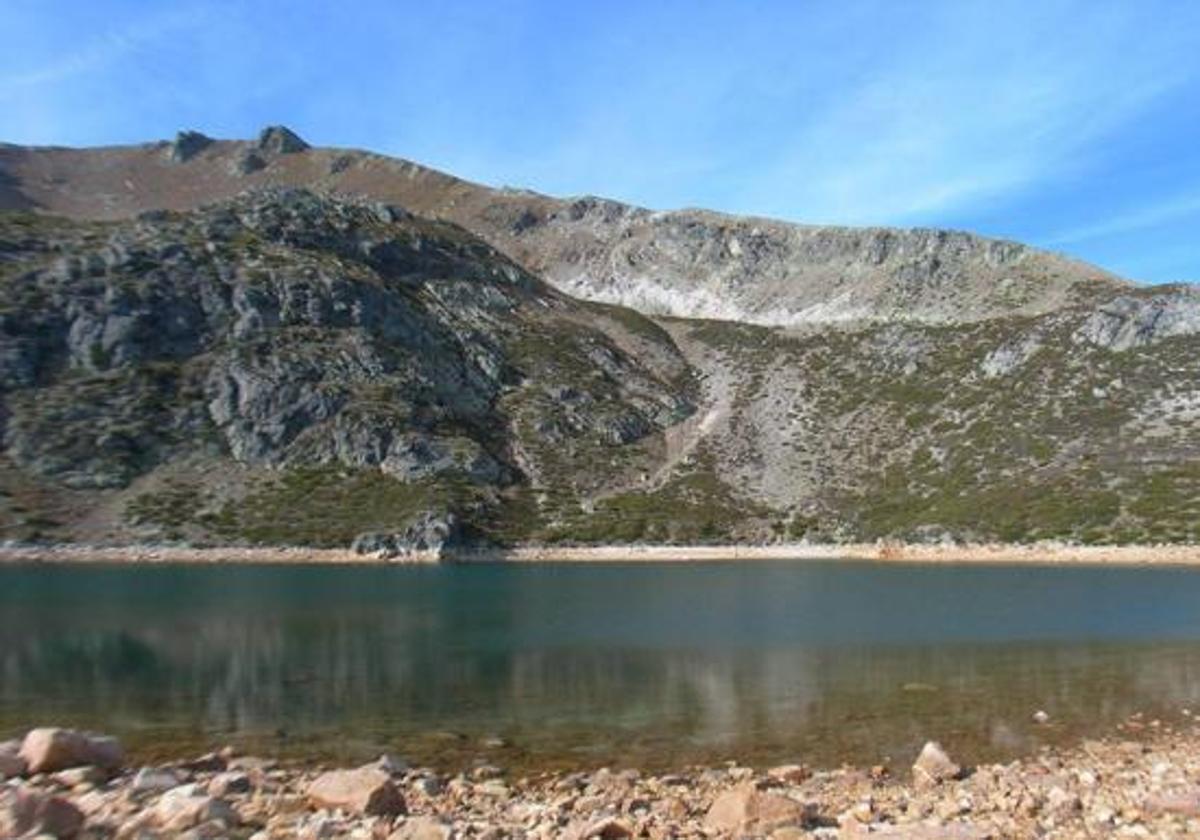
x: 422, y: 828
x: 230, y: 783
x: 933, y: 766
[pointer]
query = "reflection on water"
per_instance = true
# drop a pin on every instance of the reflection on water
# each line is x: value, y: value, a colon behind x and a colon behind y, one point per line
x: 652, y: 665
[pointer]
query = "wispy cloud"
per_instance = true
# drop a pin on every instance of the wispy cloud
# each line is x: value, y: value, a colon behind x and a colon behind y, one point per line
x: 108, y: 48
x: 971, y: 111
x: 1136, y: 219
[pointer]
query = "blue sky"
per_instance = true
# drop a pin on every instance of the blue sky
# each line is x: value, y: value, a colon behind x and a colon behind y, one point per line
x: 1070, y: 125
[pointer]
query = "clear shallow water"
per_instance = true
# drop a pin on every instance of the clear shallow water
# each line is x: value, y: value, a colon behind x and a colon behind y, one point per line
x: 638, y: 664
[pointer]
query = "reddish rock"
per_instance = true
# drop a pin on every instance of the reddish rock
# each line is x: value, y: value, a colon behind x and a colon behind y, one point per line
x: 49, y: 749
x: 1183, y: 804
x: 11, y: 762
x: 25, y: 811
x: 746, y: 808
x: 367, y: 790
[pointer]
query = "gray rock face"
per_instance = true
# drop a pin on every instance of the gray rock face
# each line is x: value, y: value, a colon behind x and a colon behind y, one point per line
x: 284, y: 329
x: 696, y: 264
x: 187, y: 145
x: 430, y: 535
x: 1136, y: 321
x: 280, y: 140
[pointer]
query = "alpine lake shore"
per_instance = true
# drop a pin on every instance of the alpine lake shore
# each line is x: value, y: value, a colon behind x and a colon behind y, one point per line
x: 1046, y: 553
x: 1141, y: 781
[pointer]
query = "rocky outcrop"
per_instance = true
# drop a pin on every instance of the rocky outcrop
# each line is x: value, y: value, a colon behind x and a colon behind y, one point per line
x: 430, y: 536
x: 1139, y: 320
x: 280, y: 140
x: 285, y: 329
x: 188, y: 144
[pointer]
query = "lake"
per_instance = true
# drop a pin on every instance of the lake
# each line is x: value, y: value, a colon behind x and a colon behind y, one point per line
x: 568, y: 665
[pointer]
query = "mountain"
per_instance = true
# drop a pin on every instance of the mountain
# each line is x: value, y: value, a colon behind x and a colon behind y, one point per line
x: 691, y: 263
x: 261, y: 341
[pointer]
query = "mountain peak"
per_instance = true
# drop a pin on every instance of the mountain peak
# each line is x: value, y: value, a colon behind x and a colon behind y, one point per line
x: 280, y: 140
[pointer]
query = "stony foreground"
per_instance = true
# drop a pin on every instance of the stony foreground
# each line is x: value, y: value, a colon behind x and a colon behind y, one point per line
x: 60, y: 783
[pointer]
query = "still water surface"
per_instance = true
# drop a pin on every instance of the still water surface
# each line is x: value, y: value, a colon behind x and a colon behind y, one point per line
x: 572, y: 665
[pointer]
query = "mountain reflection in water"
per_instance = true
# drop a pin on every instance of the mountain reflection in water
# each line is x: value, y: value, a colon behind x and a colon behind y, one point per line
x: 633, y: 664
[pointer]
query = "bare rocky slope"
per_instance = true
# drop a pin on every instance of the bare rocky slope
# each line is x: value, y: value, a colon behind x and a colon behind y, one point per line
x: 287, y: 356
x: 689, y: 263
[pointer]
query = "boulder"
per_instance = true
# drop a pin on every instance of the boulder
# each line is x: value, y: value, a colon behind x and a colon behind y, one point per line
x: 422, y: 828
x: 11, y: 761
x: 749, y: 810
x: 48, y: 749
x: 25, y: 811
x: 230, y: 783
x: 185, y: 807
x: 933, y: 766
x: 84, y: 775
x: 365, y: 791
x: 155, y: 780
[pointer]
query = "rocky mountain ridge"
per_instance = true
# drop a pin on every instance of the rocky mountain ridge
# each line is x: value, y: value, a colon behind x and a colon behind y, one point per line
x: 686, y: 263
x: 265, y: 342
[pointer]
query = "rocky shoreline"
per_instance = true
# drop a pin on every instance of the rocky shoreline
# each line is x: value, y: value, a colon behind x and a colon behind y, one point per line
x: 891, y: 552
x: 67, y: 784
